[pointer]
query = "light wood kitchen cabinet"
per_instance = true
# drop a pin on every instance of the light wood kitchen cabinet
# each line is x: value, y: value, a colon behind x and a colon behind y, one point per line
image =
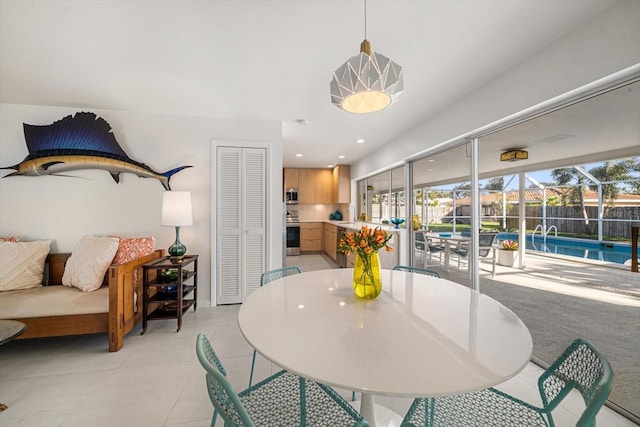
x: 290, y: 179
x: 323, y: 186
x: 306, y: 186
x: 330, y: 242
x: 342, y: 184
x: 311, y: 236
x: 319, y: 186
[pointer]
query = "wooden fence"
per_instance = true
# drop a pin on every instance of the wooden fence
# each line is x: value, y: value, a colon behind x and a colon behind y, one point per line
x: 617, y: 222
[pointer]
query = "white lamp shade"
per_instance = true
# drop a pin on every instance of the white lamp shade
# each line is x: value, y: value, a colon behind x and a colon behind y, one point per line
x: 176, y: 208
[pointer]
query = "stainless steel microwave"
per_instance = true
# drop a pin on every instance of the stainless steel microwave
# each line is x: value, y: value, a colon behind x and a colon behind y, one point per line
x: 291, y: 196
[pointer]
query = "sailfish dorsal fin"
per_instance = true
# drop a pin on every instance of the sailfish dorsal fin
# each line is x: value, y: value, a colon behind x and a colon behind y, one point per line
x: 82, y: 131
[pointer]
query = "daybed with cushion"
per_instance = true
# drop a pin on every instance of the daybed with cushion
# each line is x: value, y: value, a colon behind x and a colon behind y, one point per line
x: 64, y: 303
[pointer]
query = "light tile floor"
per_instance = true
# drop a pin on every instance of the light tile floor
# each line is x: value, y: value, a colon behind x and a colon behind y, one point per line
x: 155, y: 380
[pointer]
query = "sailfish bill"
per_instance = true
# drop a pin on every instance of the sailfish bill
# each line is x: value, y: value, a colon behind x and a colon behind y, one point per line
x: 81, y: 141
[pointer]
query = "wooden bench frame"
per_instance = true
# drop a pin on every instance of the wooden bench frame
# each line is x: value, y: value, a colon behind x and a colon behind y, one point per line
x: 125, y: 311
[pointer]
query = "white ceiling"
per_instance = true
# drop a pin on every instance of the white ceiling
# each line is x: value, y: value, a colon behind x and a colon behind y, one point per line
x: 268, y: 59
x: 604, y: 127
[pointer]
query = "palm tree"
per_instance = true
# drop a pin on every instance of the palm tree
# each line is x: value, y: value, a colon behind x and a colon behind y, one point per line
x: 495, y: 184
x: 619, y: 170
x: 567, y: 176
x: 635, y: 186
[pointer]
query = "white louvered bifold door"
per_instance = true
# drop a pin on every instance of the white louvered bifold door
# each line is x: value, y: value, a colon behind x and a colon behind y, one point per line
x: 254, y: 217
x: 241, y: 219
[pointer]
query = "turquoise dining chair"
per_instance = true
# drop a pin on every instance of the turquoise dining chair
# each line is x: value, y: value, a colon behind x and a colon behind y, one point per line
x: 416, y: 270
x: 270, y: 276
x: 581, y: 367
x: 283, y: 399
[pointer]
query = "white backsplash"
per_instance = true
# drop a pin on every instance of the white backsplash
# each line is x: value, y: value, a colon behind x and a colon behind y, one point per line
x: 320, y: 212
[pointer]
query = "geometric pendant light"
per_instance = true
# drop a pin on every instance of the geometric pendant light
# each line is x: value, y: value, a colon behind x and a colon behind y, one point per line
x: 367, y: 82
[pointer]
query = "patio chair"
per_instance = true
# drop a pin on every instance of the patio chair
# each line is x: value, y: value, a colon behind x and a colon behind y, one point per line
x: 427, y: 248
x: 487, y: 252
x: 416, y: 270
x: 581, y: 366
x: 282, y: 399
x: 270, y: 276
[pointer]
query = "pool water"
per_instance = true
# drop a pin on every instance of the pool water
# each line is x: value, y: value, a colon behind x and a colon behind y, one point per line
x: 611, y: 252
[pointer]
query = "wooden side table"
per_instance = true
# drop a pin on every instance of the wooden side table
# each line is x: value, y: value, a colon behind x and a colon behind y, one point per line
x: 169, y: 289
x: 10, y: 329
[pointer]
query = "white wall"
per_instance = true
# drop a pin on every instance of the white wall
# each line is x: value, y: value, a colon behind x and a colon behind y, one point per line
x: 64, y: 209
x: 606, y: 44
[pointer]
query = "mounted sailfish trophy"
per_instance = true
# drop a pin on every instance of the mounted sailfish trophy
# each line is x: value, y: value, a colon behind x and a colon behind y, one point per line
x: 81, y: 141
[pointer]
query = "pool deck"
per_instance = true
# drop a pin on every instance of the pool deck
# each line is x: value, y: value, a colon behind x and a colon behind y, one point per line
x: 563, y: 298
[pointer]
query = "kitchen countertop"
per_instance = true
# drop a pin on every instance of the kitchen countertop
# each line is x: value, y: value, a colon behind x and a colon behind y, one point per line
x: 357, y: 225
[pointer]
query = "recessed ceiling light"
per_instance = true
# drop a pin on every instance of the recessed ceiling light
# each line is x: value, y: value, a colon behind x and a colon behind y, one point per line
x: 360, y: 141
x: 341, y: 157
x: 431, y: 160
x: 329, y: 166
x: 298, y: 155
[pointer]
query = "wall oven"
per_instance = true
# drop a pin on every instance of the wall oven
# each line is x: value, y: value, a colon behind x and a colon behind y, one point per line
x: 293, y: 233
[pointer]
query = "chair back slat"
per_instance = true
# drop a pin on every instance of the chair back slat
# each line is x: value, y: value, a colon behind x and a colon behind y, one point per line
x: 221, y: 393
x: 420, y: 241
x: 270, y: 276
x: 485, y: 240
x: 485, y: 243
x: 582, y: 367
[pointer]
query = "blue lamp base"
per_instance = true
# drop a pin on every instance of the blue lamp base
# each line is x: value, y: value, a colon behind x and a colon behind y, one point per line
x: 177, y: 250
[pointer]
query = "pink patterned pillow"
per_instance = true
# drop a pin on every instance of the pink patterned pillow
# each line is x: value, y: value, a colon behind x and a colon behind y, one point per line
x: 11, y: 239
x: 131, y: 248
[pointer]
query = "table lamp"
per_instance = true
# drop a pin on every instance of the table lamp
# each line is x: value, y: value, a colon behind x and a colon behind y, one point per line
x: 176, y: 212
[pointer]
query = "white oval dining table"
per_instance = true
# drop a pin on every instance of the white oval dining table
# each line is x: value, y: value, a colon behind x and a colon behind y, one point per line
x: 423, y: 336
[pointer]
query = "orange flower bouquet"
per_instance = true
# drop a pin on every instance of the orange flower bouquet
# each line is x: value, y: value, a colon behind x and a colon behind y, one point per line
x: 365, y: 244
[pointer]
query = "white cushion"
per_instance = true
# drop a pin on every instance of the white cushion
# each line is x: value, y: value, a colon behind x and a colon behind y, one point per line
x: 52, y: 301
x: 22, y: 264
x: 89, y: 261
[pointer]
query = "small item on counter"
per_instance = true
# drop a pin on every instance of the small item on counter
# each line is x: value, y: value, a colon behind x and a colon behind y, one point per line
x: 397, y: 222
x: 331, y: 216
x: 416, y: 222
x: 338, y: 216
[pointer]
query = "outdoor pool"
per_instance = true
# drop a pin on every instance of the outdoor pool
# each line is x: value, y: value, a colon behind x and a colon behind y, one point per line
x: 610, y: 252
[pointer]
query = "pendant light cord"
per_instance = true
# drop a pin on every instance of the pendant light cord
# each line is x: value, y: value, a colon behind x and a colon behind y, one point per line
x: 365, y: 19
x: 365, y: 46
